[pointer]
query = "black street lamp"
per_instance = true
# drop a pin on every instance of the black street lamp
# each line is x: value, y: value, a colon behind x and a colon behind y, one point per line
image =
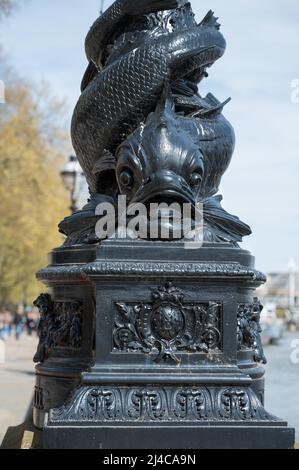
x: 72, y: 176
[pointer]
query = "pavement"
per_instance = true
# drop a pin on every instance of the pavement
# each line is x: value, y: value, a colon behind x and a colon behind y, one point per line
x: 17, y: 382
x: 282, y: 380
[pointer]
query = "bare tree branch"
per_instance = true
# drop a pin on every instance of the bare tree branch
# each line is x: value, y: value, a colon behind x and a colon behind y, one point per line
x: 5, y: 7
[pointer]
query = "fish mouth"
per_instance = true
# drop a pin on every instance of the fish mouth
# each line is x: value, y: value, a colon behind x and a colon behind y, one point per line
x: 205, y: 58
x: 165, y: 186
x: 165, y: 193
x: 166, y: 213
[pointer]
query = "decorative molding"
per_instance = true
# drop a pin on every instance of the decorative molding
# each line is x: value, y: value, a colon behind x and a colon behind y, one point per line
x: 62, y: 273
x: 38, y: 400
x: 167, y: 404
x: 81, y: 272
x: 168, y: 326
x: 249, y: 329
x: 188, y: 269
x: 60, y: 326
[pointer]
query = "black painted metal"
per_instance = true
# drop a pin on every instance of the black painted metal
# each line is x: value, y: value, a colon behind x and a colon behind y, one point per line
x: 147, y: 344
x: 179, y: 437
x: 155, y: 137
x: 161, y: 357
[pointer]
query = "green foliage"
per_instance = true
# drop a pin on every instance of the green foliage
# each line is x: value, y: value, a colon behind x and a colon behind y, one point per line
x: 33, y: 146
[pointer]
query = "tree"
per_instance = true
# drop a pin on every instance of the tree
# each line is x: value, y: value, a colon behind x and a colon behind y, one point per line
x: 33, y: 145
x: 6, y: 7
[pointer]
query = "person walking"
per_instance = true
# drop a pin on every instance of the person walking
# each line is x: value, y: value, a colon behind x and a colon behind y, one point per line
x: 18, y: 322
x: 31, y: 323
x: 5, y: 325
x: 2, y: 326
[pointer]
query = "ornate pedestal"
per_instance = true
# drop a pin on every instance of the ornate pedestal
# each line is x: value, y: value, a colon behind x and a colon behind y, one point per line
x: 146, y: 344
x: 66, y: 329
x: 177, y: 351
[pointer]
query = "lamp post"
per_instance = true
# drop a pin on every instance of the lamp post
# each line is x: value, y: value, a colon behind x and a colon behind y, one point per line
x: 72, y: 176
x: 292, y: 284
x: 102, y: 7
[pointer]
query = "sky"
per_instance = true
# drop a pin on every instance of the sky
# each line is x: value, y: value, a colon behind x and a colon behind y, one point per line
x: 45, y: 41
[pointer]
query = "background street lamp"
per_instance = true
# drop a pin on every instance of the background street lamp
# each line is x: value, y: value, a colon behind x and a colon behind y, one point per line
x: 102, y: 7
x: 73, y: 180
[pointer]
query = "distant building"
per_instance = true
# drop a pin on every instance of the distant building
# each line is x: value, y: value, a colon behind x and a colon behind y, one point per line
x: 282, y: 287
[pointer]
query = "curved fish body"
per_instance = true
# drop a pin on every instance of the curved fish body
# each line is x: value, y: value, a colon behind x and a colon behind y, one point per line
x: 182, y: 159
x: 113, y: 25
x: 178, y: 145
x: 120, y: 97
x: 159, y: 162
x: 216, y: 139
x: 132, y: 138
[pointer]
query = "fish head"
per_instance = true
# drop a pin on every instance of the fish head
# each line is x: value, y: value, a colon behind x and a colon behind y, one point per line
x: 159, y: 162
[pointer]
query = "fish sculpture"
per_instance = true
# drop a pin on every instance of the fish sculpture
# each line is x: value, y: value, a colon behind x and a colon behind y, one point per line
x: 140, y: 127
x: 129, y: 82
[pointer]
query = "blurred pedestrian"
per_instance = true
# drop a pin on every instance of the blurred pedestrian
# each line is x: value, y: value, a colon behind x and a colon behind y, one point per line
x: 2, y: 351
x: 1, y: 324
x: 18, y: 322
x: 31, y: 322
x: 5, y: 324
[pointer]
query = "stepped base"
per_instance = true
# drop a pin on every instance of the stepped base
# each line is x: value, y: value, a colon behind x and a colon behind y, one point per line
x: 177, y: 357
x: 170, y: 437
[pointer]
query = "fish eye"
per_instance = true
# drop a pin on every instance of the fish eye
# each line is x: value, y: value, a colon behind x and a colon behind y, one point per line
x: 195, y: 179
x: 126, y: 178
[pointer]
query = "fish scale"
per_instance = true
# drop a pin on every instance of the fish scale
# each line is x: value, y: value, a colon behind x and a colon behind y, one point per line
x: 122, y: 95
x: 100, y: 116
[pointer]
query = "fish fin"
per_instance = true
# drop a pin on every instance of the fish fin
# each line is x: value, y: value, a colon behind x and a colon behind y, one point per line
x: 210, y: 20
x: 105, y: 163
x: 184, y: 87
x: 166, y: 102
x: 212, y: 99
x: 210, y: 112
x: 226, y: 226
